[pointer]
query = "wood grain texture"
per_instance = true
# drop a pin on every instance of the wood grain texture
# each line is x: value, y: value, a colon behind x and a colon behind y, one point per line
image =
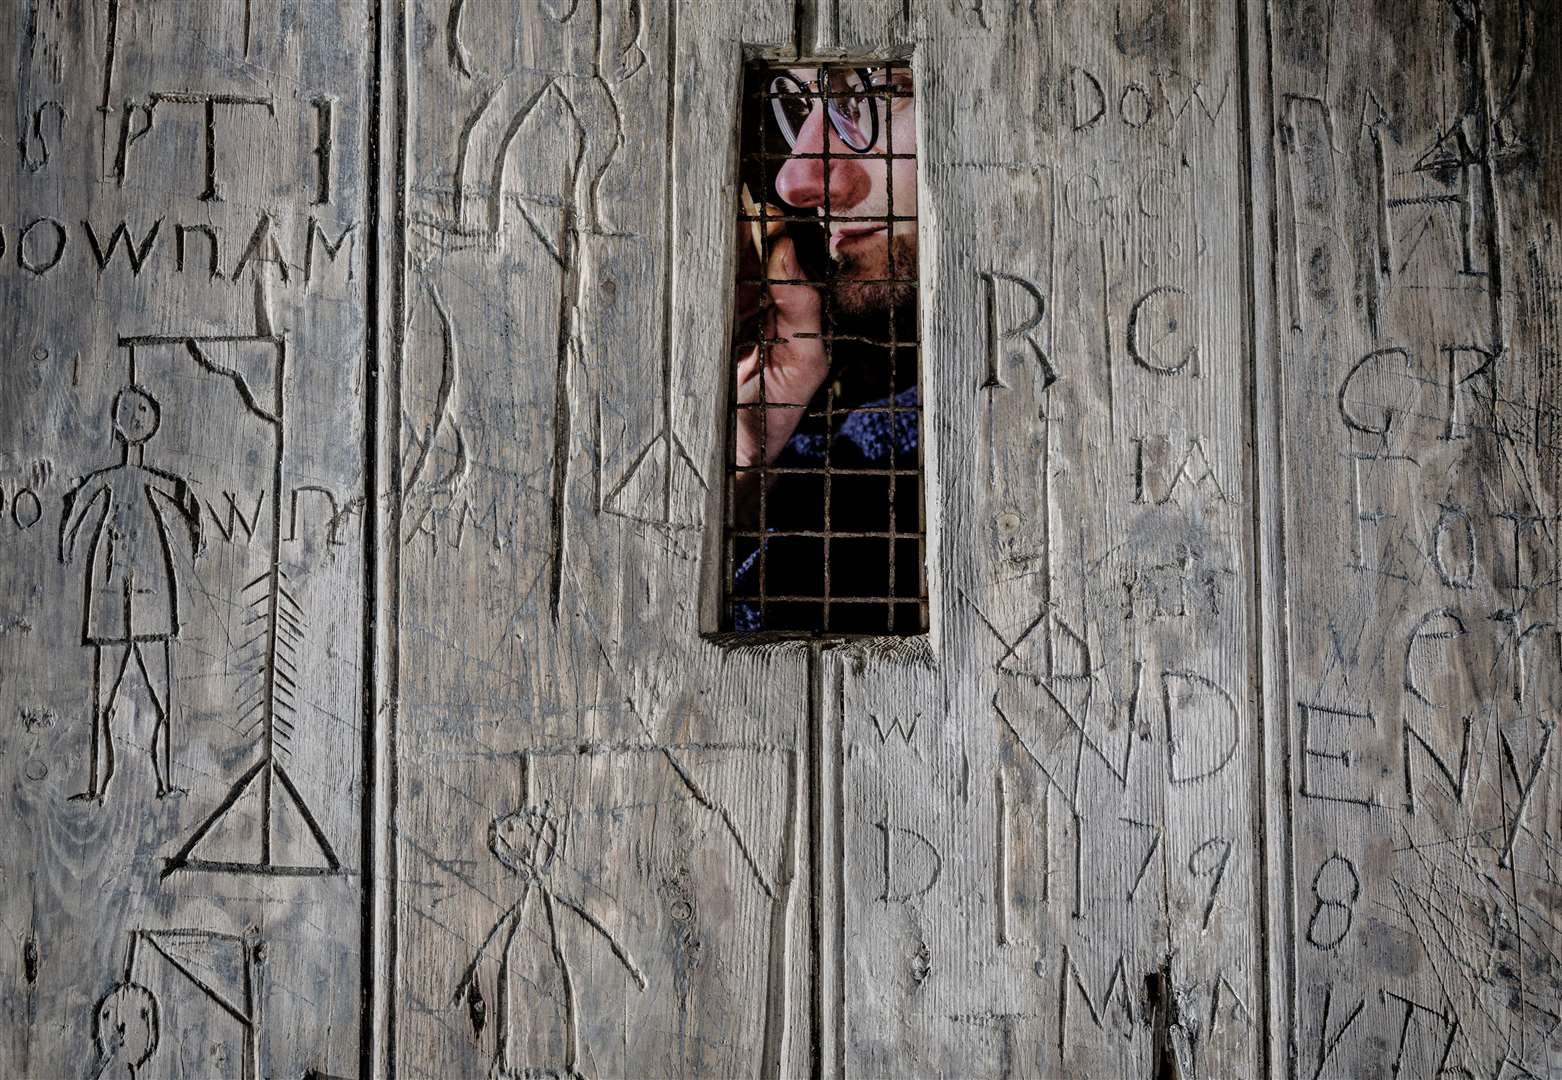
x: 1416, y: 276
x: 1054, y: 875
x: 1231, y: 750
x: 553, y: 543
x: 172, y: 214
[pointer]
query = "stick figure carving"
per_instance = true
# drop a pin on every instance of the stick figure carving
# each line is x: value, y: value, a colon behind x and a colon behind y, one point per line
x: 125, y: 1028
x: 579, y: 56
x: 225, y: 968
x: 527, y: 842
x: 252, y: 368
x: 130, y: 594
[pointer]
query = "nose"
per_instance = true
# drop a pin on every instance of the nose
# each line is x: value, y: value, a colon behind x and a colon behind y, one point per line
x: 802, y: 181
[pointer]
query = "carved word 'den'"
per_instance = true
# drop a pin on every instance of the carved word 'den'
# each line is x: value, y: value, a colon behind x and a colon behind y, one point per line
x: 1334, y: 770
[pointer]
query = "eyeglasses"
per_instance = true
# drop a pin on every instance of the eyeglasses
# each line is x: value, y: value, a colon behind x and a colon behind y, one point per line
x: 852, y: 99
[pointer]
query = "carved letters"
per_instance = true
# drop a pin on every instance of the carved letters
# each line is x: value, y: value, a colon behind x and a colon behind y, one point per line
x: 1020, y: 330
x: 44, y: 245
x: 188, y: 682
x: 358, y: 429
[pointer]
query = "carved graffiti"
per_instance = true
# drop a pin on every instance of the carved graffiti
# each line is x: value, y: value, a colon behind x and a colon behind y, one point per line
x: 912, y: 863
x: 1153, y: 319
x: 1194, y: 472
x: 130, y: 593
x: 238, y: 366
x: 126, y: 1025
x: 1330, y: 782
x: 527, y: 842
x: 1335, y: 887
x: 1014, y: 340
x: 43, y: 246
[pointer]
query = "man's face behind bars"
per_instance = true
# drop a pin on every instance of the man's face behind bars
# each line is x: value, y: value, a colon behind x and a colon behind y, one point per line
x: 852, y: 185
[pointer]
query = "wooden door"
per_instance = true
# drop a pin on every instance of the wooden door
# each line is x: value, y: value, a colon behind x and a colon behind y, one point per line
x: 365, y: 704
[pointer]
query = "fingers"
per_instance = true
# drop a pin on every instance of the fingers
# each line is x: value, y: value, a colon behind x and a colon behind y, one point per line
x: 797, y: 362
x: 796, y: 306
x: 794, y: 363
x: 748, y: 370
x: 748, y: 303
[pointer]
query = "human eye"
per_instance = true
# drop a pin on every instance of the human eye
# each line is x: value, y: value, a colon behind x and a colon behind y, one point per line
x: 860, y: 92
x: 792, y: 106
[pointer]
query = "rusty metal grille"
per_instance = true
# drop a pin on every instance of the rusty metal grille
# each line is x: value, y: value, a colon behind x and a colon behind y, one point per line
x: 825, y: 532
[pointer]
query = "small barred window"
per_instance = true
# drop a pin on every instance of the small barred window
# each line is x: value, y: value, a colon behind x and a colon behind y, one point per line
x: 825, y: 528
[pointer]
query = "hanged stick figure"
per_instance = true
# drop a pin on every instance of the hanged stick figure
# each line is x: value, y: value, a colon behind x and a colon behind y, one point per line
x: 130, y: 594
x: 127, y: 1023
x: 125, y: 1029
x: 527, y: 842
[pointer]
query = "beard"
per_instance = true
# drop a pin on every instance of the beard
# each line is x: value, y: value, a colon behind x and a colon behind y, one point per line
x: 862, y: 285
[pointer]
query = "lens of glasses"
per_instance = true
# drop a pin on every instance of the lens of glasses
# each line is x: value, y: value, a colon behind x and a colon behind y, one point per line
x: 791, y: 104
x: 849, y: 103
x: 853, y: 108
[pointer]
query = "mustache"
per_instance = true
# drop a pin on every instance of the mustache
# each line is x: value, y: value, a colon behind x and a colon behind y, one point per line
x: 900, y: 256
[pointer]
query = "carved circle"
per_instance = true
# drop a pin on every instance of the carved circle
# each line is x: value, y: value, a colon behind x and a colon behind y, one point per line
x: 527, y: 840
x: 137, y: 415
x: 28, y: 263
x: 33, y: 516
x: 125, y: 1025
x: 1145, y: 109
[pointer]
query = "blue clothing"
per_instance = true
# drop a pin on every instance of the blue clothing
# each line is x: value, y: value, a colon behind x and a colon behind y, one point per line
x: 873, y: 455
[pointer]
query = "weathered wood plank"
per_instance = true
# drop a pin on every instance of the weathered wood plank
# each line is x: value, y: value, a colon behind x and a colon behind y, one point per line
x: 602, y: 830
x: 183, y: 458
x: 1417, y: 305
x: 383, y: 472
x: 1054, y: 875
